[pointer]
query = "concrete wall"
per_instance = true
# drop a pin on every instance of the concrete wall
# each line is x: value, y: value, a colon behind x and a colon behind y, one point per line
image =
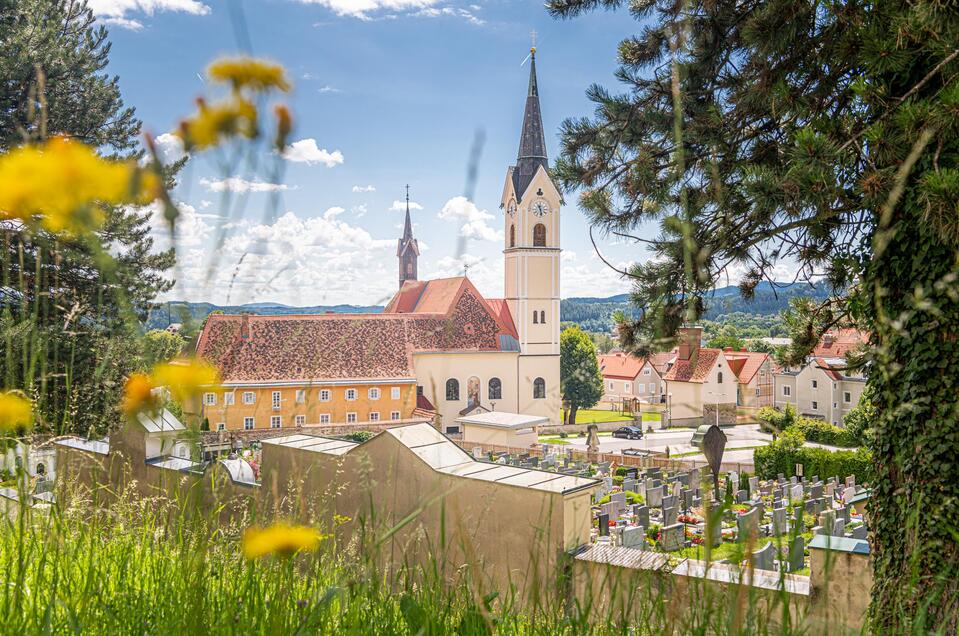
x: 499, y: 436
x: 841, y: 584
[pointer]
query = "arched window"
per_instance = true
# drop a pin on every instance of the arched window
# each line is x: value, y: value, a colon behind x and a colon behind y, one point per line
x: 719, y: 377
x: 41, y: 469
x: 409, y: 269
x: 535, y: 317
x: 542, y: 317
x: 452, y: 390
x: 512, y: 236
x: 495, y: 389
x: 539, y: 235
x: 539, y: 389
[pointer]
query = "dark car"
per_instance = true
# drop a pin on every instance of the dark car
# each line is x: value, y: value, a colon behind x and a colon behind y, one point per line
x: 628, y: 432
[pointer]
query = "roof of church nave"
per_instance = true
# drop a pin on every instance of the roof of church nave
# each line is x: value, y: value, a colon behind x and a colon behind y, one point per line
x: 315, y: 347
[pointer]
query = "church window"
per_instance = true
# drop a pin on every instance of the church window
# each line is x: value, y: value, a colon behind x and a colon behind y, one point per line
x: 539, y: 389
x: 535, y: 317
x: 452, y: 390
x: 539, y: 235
x: 512, y: 236
x: 495, y: 389
x: 719, y: 377
x: 409, y: 269
x: 542, y: 317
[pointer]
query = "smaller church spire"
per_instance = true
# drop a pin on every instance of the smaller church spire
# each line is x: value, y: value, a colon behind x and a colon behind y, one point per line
x: 532, y: 141
x: 407, y: 249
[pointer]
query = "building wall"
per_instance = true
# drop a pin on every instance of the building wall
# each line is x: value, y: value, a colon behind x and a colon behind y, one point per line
x: 687, y: 399
x: 841, y: 584
x: 499, y: 436
x: 615, y: 388
x: 759, y: 391
x: 780, y: 380
x: 312, y: 408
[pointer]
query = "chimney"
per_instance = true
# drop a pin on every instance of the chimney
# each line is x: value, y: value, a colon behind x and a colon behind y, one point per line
x: 828, y: 338
x: 729, y: 349
x: 689, y: 342
x: 245, y: 327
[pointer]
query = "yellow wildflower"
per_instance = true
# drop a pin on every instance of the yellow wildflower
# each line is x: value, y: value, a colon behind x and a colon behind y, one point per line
x: 247, y: 72
x: 138, y: 394
x: 233, y: 118
x: 16, y: 412
x: 186, y: 377
x: 280, y: 538
x: 284, y: 125
x: 61, y: 183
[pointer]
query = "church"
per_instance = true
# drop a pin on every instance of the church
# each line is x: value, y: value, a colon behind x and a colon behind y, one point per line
x: 438, y: 351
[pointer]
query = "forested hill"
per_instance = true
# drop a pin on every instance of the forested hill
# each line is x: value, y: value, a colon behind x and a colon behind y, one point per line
x: 592, y: 314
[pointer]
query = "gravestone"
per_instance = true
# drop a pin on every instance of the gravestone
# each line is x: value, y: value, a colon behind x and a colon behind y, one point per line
x: 618, y: 497
x: 844, y: 513
x: 634, y: 537
x: 848, y: 494
x: 695, y: 477
x: 603, y: 524
x: 797, y: 558
x: 608, y: 482
x: 686, y: 499
x: 669, y: 516
x: 630, y: 484
x: 827, y: 519
x: 733, y: 479
x: 753, y: 484
x: 765, y: 558
x: 819, y: 530
x: 780, y: 525
x: 654, y: 497
x: 632, y: 472
x: 642, y: 515
x: 669, y: 501
x: 850, y: 481
x: 741, y: 496
x: 796, y: 492
x: 838, y: 528
x: 815, y: 491
x: 777, y: 503
x: 697, y: 502
x: 747, y: 524
x: 793, y: 480
x: 810, y: 506
x: 860, y: 532
x: 672, y: 537
x: 830, y: 490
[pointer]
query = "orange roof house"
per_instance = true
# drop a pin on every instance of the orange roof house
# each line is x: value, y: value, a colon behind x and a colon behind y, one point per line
x: 839, y: 342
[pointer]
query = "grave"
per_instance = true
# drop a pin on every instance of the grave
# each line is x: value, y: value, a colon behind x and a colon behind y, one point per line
x: 603, y: 524
x: 747, y: 524
x: 780, y: 524
x: 797, y: 558
x: 672, y: 537
x: 634, y: 537
x: 642, y: 515
x: 669, y: 516
x: 765, y: 558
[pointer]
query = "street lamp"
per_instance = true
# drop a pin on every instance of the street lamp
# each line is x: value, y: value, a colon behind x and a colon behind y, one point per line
x: 669, y: 411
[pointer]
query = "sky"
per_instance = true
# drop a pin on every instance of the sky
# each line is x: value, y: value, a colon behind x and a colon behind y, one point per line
x: 387, y: 93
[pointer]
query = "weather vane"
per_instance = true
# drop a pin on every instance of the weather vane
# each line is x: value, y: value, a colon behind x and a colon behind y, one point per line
x: 407, y: 193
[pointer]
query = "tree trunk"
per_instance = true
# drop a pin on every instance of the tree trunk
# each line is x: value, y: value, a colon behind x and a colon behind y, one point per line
x: 915, y: 503
x: 572, y: 414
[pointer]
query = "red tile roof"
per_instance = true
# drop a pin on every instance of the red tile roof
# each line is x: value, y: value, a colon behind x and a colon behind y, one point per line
x: 661, y: 361
x: 828, y: 368
x: 745, y: 363
x: 696, y: 369
x: 838, y: 342
x: 621, y: 365
x: 440, y: 296
x: 250, y: 348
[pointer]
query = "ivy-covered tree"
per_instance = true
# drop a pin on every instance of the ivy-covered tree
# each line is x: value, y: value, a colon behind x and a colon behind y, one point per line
x: 581, y: 381
x: 69, y: 330
x: 757, y: 134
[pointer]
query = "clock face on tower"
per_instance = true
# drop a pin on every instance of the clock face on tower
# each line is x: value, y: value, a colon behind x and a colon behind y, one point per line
x: 540, y: 208
x: 511, y: 208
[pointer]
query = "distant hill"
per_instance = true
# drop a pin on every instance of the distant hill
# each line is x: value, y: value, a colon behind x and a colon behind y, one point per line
x: 595, y: 314
x: 592, y: 314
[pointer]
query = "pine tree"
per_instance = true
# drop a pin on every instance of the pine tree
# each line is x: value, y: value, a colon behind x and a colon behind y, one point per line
x: 70, y: 306
x: 580, y: 378
x: 821, y: 136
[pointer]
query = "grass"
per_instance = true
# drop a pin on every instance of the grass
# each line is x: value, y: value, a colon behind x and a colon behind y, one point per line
x: 599, y: 416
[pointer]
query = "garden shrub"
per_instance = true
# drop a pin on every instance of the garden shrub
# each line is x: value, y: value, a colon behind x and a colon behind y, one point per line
x: 359, y: 436
x: 772, y: 420
x: 824, y: 433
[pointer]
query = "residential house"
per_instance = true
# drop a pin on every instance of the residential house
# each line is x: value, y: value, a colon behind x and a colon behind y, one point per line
x: 754, y: 371
x: 701, y: 387
x: 627, y: 377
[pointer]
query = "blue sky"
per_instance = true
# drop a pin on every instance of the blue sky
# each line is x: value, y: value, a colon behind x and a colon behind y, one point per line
x: 387, y: 92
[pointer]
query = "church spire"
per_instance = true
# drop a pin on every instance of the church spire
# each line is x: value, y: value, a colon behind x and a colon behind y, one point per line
x: 532, y: 142
x: 407, y: 248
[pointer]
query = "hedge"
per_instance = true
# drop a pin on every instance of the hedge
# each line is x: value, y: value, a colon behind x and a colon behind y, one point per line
x: 824, y: 433
x: 782, y: 456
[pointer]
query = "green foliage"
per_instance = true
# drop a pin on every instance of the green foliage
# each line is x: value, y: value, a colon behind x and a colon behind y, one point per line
x: 861, y: 421
x: 823, y: 432
x: 160, y: 345
x: 782, y: 455
x: 631, y: 498
x: 726, y: 337
x: 581, y: 381
x: 773, y: 420
x: 359, y: 436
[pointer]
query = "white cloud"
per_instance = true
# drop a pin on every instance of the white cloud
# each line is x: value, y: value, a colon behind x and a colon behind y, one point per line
x: 568, y: 256
x: 400, y: 206
x: 330, y: 89
x: 117, y: 12
x: 306, y: 151
x: 169, y: 148
x: 242, y: 186
x: 332, y: 213
x: 436, y: 12
x: 366, y: 188
x: 473, y: 220
x: 362, y: 9
x: 359, y: 210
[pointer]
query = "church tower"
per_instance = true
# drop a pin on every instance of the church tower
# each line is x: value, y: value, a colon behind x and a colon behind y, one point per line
x: 531, y: 204
x: 407, y: 250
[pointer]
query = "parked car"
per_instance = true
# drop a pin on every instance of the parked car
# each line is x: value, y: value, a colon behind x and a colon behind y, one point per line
x: 628, y: 432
